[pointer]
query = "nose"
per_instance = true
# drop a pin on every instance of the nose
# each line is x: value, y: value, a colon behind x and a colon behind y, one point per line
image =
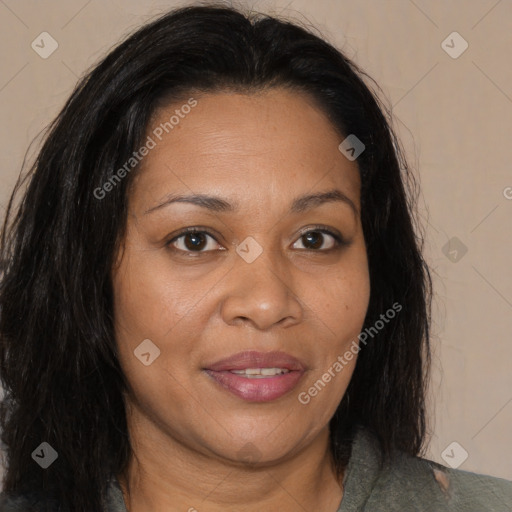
x: 262, y: 293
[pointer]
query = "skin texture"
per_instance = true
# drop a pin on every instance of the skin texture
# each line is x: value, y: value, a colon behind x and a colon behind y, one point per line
x: 260, y: 151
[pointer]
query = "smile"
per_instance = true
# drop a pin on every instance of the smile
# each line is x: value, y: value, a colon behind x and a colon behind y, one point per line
x: 260, y: 373
x: 257, y: 384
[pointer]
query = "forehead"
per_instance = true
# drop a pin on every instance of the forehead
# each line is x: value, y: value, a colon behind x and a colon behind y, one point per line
x: 270, y: 144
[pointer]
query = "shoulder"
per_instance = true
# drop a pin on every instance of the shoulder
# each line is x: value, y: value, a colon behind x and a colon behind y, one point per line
x: 415, y: 483
x: 23, y: 503
x: 422, y: 482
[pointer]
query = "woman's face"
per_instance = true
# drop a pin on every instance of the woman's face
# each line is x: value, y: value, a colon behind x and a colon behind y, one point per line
x: 263, y: 278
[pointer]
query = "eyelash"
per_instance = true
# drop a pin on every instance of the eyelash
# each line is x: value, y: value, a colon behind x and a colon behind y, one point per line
x: 339, y: 241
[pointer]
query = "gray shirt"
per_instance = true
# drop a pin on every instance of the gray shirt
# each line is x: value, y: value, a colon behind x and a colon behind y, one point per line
x: 404, y: 484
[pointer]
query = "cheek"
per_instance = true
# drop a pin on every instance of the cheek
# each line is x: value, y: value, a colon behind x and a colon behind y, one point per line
x: 153, y: 301
x: 341, y: 301
x: 149, y: 300
x: 151, y: 305
x: 148, y: 306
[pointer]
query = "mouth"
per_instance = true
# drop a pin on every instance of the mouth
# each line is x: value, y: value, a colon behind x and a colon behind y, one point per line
x: 257, y: 376
x: 260, y: 373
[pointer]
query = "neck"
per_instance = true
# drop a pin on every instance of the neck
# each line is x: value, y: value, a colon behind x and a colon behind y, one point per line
x: 176, y: 478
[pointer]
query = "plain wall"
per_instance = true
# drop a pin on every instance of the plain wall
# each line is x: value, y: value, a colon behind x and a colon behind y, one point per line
x: 454, y: 116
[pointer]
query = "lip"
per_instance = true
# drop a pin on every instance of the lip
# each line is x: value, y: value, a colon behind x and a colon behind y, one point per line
x: 254, y: 359
x: 261, y: 389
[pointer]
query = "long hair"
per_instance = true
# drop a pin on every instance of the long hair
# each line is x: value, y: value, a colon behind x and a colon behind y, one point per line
x: 62, y: 381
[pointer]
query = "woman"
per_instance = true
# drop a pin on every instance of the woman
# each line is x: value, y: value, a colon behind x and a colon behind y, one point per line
x: 212, y: 293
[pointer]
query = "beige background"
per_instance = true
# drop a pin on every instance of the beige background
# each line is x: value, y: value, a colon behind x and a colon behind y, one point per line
x: 454, y: 116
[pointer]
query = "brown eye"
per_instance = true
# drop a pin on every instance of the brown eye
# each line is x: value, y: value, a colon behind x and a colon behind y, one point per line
x: 315, y: 239
x: 193, y: 241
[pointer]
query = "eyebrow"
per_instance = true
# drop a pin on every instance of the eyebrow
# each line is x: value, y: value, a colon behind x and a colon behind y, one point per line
x: 219, y: 205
